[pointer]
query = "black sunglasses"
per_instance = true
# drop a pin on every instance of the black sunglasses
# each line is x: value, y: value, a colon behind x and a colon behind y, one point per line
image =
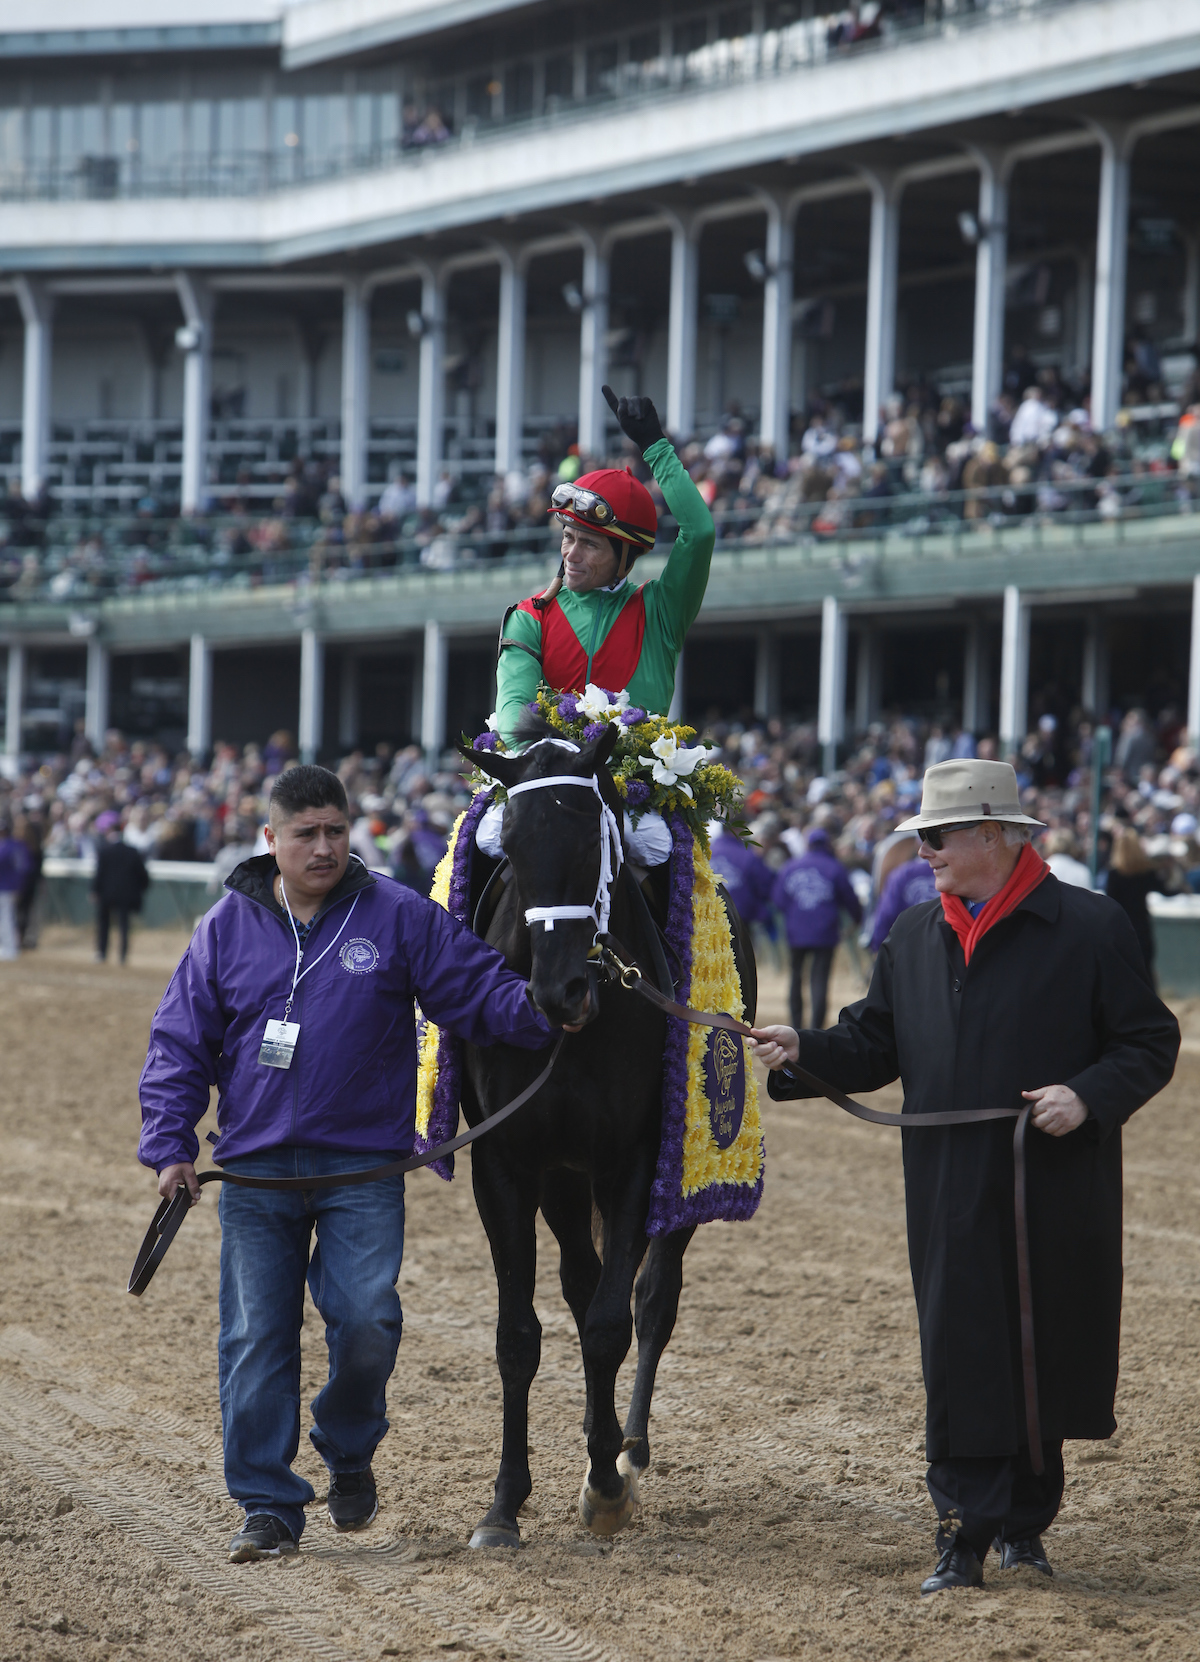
x: 933, y: 834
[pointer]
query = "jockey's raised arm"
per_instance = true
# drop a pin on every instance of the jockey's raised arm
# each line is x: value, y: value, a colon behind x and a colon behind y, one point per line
x: 593, y: 624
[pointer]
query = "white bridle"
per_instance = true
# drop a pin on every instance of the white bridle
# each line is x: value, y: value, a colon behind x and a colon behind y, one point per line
x: 612, y: 854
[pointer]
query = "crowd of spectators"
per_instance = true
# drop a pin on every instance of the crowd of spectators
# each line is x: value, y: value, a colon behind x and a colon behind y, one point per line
x: 923, y: 469
x: 171, y: 808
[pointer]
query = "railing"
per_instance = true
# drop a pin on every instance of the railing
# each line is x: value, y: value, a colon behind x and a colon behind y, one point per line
x: 616, y: 70
x: 96, y: 559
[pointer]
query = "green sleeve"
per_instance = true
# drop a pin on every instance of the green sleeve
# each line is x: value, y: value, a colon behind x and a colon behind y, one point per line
x: 676, y: 596
x: 518, y: 676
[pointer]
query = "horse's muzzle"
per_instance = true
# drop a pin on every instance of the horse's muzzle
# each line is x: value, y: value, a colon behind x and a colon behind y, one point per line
x: 574, y: 1004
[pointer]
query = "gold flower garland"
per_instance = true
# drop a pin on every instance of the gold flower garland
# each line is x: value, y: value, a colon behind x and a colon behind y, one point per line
x: 715, y: 986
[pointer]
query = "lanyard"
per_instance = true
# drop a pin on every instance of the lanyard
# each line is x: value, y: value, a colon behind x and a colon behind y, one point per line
x: 298, y: 974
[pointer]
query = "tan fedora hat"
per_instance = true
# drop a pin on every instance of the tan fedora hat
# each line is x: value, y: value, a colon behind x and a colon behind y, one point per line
x: 956, y: 792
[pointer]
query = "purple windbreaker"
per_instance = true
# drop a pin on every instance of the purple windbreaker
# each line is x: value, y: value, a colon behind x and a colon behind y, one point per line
x: 811, y: 891
x: 745, y: 874
x: 907, y: 886
x: 352, y: 1082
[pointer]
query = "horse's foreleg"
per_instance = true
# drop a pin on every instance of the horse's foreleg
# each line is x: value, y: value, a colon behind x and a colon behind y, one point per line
x: 609, y: 1498
x: 656, y: 1304
x: 567, y: 1208
x: 507, y: 1205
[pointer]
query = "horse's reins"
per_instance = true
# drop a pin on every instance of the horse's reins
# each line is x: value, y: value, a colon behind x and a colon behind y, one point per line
x: 165, y: 1224
x: 620, y: 960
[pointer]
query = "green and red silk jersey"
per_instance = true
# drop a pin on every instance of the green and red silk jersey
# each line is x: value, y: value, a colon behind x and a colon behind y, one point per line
x: 629, y: 637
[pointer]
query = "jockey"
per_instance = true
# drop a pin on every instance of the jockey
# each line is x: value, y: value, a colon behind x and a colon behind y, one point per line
x: 593, y: 624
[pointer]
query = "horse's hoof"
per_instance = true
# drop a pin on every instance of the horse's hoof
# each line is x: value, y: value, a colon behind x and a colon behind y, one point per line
x: 496, y: 1535
x: 606, y: 1517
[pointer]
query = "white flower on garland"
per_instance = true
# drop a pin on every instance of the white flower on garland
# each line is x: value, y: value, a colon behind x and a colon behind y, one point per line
x: 595, y: 706
x: 672, y: 763
x: 493, y: 724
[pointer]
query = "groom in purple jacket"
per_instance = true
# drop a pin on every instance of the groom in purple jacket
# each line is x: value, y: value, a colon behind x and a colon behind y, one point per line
x: 295, y: 999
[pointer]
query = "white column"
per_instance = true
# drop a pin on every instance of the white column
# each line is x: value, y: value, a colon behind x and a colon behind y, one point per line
x: 199, y: 733
x: 356, y: 390
x: 775, y: 419
x: 1014, y: 672
x: 766, y: 674
x: 312, y: 694
x: 194, y: 340
x: 679, y: 695
x: 1112, y: 238
x: 879, y: 373
x: 433, y: 692
x: 991, y: 265
x: 976, y: 699
x: 431, y: 397
x: 95, y: 723
x: 831, y: 707
x: 1193, y: 704
x: 682, y: 326
x: 14, y: 707
x: 593, y: 349
x: 37, y: 313
x: 348, y: 700
x: 510, y: 363
x: 868, y: 677
x: 1093, y: 691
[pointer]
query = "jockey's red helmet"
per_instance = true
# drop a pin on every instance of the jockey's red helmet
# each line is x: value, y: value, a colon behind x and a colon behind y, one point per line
x: 610, y: 501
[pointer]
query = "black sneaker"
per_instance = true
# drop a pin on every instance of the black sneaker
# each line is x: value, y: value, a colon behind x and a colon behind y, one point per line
x: 1026, y: 1554
x: 957, y: 1567
x: 352, y: 1502
x: 262, y: 1536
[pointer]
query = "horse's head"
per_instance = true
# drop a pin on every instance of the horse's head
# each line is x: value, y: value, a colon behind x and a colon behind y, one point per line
x: 558, y: 839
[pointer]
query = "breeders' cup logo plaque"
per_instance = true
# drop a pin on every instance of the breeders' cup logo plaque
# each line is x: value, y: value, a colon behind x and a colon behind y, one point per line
x: 359, y: 957
x: 725, y: 1082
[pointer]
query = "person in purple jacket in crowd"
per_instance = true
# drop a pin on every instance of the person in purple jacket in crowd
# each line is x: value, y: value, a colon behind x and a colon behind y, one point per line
x: 906, y: 886
x: 747, y: 878
x: 295, y: 998
x: 810, y: 892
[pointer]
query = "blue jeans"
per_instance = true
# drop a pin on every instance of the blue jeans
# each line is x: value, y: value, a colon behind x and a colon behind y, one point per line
x: 265, y: 1240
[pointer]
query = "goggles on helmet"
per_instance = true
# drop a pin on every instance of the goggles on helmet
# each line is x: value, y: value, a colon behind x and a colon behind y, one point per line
x: 591, y: 509
x: 586, y: 504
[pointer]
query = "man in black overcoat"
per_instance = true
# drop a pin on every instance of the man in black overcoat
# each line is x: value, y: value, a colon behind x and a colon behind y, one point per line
x: 1010, y: 986
x: 120, y: 881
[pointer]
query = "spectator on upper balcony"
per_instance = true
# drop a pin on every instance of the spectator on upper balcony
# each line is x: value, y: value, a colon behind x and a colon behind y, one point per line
x: 399, y: 499
x: 431, y: 129
x: 1034, y: 421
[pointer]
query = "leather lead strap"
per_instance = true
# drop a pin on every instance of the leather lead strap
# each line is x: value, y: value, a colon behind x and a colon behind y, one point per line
x: 920, y: 1122
x: 166, y: 1221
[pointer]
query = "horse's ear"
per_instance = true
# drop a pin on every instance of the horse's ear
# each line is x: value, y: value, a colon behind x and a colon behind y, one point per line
x: 596, y: 757
x: 506, y: 769
x: 604, y: 745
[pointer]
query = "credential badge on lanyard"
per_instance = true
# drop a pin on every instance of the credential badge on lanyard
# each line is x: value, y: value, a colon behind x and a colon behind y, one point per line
x: 280, y: 1038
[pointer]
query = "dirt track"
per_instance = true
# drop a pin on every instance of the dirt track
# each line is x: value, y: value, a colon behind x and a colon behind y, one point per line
x: 784, y: 1514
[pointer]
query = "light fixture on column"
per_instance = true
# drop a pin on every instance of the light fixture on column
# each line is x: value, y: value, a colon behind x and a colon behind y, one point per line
x: 573, y: 295
x: 189, y: 337
x: 418, y: 324
x: 974, y: 230
x: 755, y: 262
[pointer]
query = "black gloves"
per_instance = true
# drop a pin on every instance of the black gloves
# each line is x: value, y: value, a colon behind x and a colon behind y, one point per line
x: 638, y: 418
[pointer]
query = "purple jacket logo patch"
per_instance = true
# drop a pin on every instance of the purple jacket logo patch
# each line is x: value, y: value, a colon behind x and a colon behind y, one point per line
x: 359, y: 957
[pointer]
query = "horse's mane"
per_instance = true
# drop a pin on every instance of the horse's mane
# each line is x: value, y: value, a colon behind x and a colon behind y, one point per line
x: 531, y: 726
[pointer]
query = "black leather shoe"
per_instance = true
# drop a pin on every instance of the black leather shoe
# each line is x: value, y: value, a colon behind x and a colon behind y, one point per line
x: 352, y: 1502
x: 262, y: 1536
x: 957, y: 1567
x: 1025, y: 1554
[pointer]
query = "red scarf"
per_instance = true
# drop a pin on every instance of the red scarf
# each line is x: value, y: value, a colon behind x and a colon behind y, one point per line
x: 1024, y: 879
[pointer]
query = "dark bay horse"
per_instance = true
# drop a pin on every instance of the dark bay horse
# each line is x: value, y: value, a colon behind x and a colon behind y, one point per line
x: 591, y: 1135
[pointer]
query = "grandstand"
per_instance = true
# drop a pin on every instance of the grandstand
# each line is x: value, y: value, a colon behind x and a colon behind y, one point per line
x: 259, y: 259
